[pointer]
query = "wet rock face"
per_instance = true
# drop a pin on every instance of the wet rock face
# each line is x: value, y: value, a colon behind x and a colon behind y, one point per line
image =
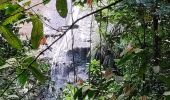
x: 79, y: 54
x: 62, y: 70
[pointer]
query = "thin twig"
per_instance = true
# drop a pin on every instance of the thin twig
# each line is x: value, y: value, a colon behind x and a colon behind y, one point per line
x: 56, y: 41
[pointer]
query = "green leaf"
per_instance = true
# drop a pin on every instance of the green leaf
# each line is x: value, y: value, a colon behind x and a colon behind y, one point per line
x: 2, y: 61
x: 11, y: 8
x: 78, y: 94
x: 33, y: 68
x: 11, y: 38
x: 61, y: 6
x: 4, y: 6
x: 37, y: 73
x: 164, y: 79
x: 12, y: 19
x: 142, y: 70
x: 167, y: 93
x: 125, y: 58
x: 26, y: 62
x: 46, y: 1
x: 37, y: 32
x: 23, y: 78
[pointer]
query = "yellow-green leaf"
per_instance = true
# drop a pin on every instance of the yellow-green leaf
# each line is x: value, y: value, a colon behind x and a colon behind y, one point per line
x: 61, y: 6
x: 4, y: 6
x: 37, y: 32
x: 12, y: 19
x: 11, y: 38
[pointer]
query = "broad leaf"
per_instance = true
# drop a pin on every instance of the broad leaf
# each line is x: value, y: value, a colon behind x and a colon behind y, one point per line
x: 33, y: 68
x: 12, y: 19
x: 37, y: 32
x: 23, y: 78
x: 61, y: 6
x: 26, y: 62
x: 37, y: 73
x: 11, y: 8
x: 78, y: 94
x: 11, y: 38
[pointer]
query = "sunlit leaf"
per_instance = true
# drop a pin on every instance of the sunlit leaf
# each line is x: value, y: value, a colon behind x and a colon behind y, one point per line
x: 4, y: 6
x: 12, y: 8
x: 12, y: 19
x: 61, y: 6
x: 166, y: 93
x: 11, y: 38
x: 12, y: 97
x: 37, y: 32
x: 85, y: 88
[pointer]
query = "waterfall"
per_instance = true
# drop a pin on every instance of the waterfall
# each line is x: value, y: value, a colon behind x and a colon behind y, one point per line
x: 60, y: 55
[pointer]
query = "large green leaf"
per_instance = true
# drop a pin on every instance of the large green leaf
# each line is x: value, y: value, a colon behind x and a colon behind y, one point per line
x: 11, y: 8
x: 12, y: 19
x: 37, y: 32
x: 78, y: 94
x: 61, y: 6
x: 26, y: 62
x: 37, y: 73
x: 11, y: 38
x: 33, y: 68
x: 23, y: 78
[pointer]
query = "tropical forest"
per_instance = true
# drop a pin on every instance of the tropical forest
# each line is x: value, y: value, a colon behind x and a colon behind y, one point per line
x: 84, y: 49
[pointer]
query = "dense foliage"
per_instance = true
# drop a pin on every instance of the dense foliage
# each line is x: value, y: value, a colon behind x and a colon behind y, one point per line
x: 131, y: 62
x: 133, y: 52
